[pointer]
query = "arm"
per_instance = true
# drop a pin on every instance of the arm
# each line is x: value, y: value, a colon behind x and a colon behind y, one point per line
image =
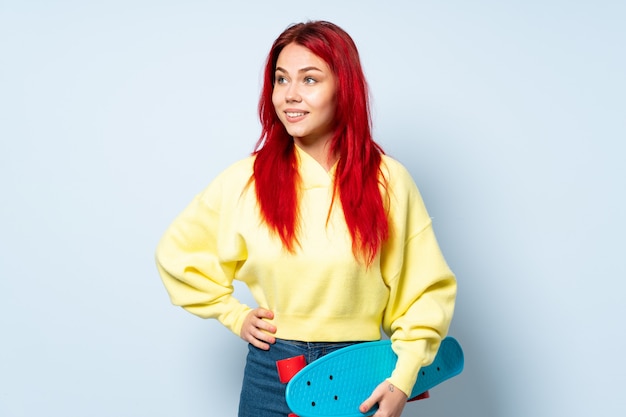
x: 417, y: 318
x: 197, y: 258
x: 422, y: 291
x: 420, y: 307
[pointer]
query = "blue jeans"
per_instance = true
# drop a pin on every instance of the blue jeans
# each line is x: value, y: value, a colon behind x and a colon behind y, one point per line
x: 262, y: 394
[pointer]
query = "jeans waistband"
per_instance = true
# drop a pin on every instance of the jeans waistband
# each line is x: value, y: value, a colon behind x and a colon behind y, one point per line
x: 314, y: 345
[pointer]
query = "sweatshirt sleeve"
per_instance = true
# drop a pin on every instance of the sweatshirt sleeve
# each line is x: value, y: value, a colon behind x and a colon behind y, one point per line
x: 422, y: 286
x: 197, y: 258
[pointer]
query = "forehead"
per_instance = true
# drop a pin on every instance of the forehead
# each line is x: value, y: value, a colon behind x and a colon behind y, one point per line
x: 296, y: 57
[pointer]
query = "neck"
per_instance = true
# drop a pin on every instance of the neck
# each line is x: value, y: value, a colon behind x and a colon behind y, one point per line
x: 320, y: 151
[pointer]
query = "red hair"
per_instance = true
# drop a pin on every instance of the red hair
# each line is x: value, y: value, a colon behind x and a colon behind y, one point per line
x: 357, y: 180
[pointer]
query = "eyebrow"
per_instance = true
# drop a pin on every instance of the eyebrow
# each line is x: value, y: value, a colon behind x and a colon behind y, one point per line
x: 305, y: 69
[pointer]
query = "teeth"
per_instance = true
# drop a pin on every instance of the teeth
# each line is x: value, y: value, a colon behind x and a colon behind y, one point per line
x: 290, y: 114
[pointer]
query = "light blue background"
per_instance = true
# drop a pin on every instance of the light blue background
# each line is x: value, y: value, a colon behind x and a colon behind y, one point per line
x: 113, y: 114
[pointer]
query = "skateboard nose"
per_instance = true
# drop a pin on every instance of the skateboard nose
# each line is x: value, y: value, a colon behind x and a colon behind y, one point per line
x: 287, y: 368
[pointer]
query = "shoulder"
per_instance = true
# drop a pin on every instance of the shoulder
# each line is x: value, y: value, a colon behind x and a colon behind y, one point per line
x: 402, y: 195
x: 231, y: 181
x: 241, y: 168
x: 238, y: 171
x: 395, y: 174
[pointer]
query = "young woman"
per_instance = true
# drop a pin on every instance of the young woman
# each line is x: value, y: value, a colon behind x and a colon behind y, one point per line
x: 329, y: 233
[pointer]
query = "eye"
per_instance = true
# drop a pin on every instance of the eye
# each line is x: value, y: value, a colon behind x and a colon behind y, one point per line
x: 309, y: 80
x: 279, y: 79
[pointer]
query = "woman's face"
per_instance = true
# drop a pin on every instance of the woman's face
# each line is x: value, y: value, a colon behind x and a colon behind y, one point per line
x: 304, y: 95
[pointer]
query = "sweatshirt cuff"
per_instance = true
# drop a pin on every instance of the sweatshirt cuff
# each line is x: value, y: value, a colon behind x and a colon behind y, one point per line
x: 411, y: 357
x: 230, y: 312
x: 405, y: 374
x: 236, y: 326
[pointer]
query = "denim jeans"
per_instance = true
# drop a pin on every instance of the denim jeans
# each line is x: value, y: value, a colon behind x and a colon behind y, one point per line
x: 262, y: 394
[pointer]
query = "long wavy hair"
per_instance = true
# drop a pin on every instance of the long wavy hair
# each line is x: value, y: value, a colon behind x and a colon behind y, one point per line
x: 358, y: 176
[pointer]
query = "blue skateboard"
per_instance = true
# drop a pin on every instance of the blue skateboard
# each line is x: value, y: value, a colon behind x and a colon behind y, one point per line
x: 336, y: 384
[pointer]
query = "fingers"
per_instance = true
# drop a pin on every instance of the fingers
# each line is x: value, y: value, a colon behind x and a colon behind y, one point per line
x: 371, y: 401
x: 263, y: 313
x: 390, y: 400
x: 256, y: 330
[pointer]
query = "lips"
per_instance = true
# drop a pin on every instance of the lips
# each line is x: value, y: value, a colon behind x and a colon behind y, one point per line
x: 294, y: 116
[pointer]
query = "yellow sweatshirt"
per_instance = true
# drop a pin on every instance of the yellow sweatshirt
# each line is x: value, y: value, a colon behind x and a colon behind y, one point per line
x: 320, y: 293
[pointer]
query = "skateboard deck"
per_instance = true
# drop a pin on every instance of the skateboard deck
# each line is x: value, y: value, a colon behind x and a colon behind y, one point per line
x: 336, y: 384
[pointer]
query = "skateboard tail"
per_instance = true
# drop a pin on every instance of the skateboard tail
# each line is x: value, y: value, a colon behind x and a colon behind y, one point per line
x: 448, y: 363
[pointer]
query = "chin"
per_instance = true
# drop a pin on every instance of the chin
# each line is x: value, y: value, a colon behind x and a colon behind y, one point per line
x: 296, y: 133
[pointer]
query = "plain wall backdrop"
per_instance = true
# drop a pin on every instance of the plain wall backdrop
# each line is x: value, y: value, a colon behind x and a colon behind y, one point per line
x: 113, y: 114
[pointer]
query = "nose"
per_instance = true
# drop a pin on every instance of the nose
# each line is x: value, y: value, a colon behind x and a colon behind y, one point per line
x: 292, y: 94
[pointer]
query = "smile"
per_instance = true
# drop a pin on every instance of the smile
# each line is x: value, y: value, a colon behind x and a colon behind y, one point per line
x: 294, y: 114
